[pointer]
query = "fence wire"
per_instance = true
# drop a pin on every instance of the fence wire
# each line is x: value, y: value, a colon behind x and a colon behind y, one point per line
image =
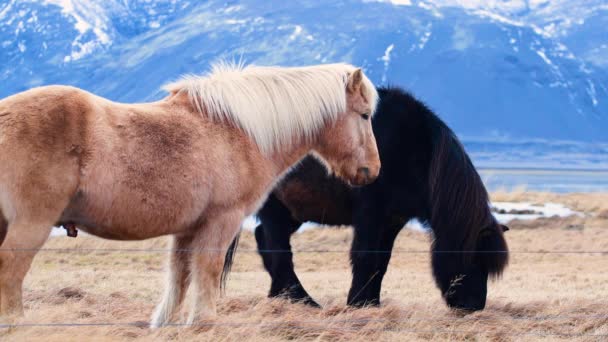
x: 319, y: 325
x: 320, y: 251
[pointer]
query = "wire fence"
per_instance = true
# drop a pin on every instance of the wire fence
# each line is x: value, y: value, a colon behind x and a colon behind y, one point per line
x: 359, y: 325
x: 320, y: 251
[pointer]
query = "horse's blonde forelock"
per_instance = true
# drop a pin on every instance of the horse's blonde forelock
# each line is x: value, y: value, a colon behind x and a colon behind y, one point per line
x: 273, y: 105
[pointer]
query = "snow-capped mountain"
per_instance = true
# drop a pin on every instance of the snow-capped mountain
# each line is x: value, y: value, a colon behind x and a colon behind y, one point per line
x: 519, y: 70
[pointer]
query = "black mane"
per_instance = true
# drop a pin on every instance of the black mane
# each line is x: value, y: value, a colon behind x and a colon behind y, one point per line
x: 458, y: 201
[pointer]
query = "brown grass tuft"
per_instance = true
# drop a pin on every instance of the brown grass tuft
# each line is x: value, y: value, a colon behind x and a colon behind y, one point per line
x: 70, y: 293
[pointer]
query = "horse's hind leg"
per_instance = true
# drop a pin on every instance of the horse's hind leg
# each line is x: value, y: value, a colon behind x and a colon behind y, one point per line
x: 21, y: 244
x: 260, y: 239
x: 178, y: 279
x: 34, y: 213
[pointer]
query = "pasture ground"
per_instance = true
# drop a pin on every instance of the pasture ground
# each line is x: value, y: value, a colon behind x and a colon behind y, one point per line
x: 540, y: 297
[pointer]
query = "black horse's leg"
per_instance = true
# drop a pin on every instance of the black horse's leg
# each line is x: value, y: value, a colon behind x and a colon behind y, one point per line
x: 385, y: 247
x: 260, y: 239
x: 363, y: 256
x: 273, y: 235
x: 371, y: 251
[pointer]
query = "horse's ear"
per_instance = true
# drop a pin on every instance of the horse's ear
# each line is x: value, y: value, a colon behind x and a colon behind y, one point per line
x: 354, y: 81
x: 172, y: 92
x: 504, y: 228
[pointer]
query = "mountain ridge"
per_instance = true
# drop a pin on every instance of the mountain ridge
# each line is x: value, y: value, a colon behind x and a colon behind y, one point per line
x: 498, y: 73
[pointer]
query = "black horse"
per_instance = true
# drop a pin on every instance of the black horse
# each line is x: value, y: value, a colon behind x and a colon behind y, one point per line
x: 425, y: 174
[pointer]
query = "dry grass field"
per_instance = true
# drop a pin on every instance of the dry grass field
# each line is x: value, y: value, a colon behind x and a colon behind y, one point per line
x: 542, y: 296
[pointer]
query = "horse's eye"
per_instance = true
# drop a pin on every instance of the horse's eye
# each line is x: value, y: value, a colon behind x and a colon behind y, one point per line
x: 365, y: 116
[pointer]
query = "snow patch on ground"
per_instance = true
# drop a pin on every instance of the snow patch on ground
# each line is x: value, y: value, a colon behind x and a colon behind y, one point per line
x: 417, y: 226
x: 540, y: 210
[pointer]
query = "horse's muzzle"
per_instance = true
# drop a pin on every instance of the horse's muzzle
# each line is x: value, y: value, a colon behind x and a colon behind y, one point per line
x: 363, y: 177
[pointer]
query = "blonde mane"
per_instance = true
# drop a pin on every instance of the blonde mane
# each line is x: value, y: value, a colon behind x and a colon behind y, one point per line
x: 273, y: 105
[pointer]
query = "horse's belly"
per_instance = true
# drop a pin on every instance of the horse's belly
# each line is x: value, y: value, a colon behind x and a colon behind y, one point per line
x: 129, y: 216
x: 123, y: 233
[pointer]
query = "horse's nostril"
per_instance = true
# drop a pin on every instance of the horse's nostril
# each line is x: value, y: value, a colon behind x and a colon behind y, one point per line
x: 364, y: 171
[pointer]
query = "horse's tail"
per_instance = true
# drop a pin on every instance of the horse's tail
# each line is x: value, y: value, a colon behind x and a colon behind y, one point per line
x: 460, y: 212
x: 3, y: 221
x: 3, y: 228
x: 229, y: 260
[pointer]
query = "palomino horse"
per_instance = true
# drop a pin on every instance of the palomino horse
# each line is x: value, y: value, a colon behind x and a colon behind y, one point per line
x: 426, y: 174
x: 192, y: 165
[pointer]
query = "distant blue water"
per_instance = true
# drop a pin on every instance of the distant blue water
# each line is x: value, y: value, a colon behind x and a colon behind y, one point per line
x: 562, y: 181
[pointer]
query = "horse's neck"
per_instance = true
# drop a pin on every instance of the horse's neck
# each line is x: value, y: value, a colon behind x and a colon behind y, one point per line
x: 285, y: 159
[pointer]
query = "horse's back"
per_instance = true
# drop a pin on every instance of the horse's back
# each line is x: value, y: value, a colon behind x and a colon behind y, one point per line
x: 43, y: 94
x: 44, y: 112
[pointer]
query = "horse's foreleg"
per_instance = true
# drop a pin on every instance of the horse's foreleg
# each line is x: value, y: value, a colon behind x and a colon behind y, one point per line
x: 385, y: 247
x: 211, y: 241
x: 362, y: 258
x: 178, y: 279
x: 370, y: 223
x: 370, y: 254
x: 19, y: 248
x: 274, y: 235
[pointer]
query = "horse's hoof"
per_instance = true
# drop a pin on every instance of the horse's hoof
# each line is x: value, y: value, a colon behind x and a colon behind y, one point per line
x: 464, y: 311
x: 310, y: 302
x: 295, y: 299
x: 374, y: 303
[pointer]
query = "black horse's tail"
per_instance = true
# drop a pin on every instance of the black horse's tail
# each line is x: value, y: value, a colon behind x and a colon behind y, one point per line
x: 229, y: 260
x: 460, y: 211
